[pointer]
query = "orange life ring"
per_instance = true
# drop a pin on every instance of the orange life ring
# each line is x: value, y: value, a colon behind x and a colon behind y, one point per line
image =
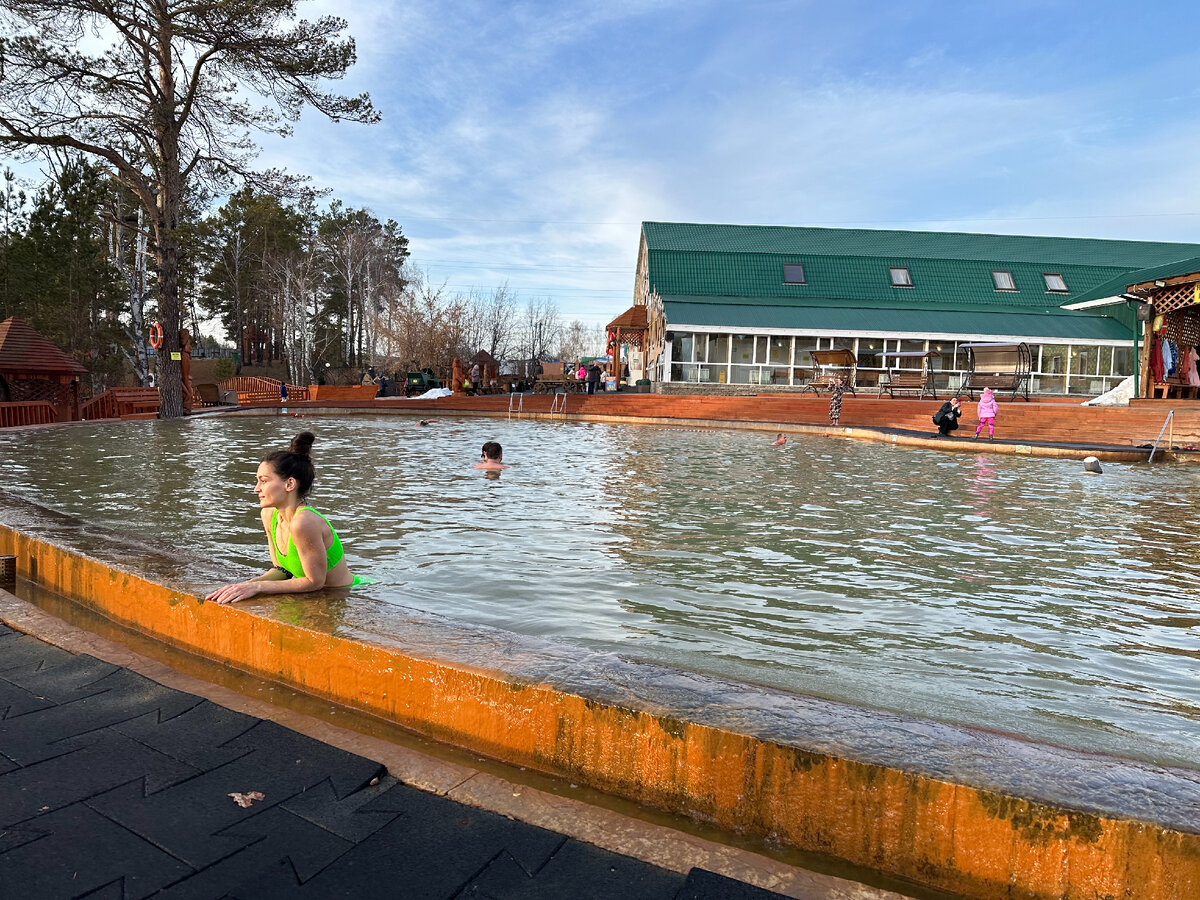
x: 156, y: 335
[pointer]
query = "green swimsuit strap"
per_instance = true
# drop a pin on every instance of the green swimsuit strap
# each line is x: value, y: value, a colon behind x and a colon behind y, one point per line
x: 290, y: 561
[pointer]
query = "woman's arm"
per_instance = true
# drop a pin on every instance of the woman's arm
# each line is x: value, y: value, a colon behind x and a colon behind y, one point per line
x: 308, y: 539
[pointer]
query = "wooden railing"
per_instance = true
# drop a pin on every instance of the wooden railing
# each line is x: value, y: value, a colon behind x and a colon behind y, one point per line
x: 256, y: 389
x: 120, y: 403
x: 27, y: 412
x: 343, y: 391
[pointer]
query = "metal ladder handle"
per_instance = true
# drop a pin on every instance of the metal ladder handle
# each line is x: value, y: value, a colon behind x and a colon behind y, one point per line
x: 1168, y: 421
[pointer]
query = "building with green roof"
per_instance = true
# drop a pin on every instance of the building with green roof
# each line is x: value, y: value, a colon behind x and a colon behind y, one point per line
x: 747, y: 304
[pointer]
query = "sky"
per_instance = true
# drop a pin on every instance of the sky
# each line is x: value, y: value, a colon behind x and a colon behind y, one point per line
x: 524, y: 143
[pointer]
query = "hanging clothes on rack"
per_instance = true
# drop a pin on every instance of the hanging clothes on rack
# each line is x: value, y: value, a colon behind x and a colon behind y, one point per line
x: 1157, y: 370
x: 1190, y: 358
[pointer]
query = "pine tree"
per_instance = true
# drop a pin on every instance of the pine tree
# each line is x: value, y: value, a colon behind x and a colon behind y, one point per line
x: 153, y: 90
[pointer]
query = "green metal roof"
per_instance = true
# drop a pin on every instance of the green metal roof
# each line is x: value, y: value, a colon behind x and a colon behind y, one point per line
x: 852, y: 265
x: 731, y: 313
x: 865, y: 278
x: 1117, y: 285
x: 912, y: 244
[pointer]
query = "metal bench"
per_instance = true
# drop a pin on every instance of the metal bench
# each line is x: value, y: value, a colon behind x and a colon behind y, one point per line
x: 1001, y: 367
x: 909, y: 381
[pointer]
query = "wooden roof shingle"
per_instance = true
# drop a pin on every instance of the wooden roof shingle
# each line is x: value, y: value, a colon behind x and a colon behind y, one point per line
x: 25, y: 352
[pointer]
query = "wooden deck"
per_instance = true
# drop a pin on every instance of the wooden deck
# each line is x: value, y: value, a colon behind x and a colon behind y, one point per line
x: 1051, y: 421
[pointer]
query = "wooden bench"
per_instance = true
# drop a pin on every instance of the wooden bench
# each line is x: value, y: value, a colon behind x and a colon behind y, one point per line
x: 829, y: 365
x: 1005, y: 368
x: 123, y: 403
x: 210, y: 394
x: 907, y: 381
x: 1176, y: 385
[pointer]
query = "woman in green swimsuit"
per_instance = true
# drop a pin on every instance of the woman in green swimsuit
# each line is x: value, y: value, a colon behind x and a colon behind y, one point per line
x: 306, y: 551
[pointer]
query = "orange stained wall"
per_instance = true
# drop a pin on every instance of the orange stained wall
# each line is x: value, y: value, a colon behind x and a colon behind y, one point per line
x: 949, y: 836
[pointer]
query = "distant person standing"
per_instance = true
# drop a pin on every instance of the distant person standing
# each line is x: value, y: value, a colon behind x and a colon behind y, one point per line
x: 836, y: 388
x: 593, y: 378
x: 986, y: 413
x: 475, y: 374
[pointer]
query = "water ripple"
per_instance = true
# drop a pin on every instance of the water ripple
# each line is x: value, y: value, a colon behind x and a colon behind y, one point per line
x: 1003, y: 592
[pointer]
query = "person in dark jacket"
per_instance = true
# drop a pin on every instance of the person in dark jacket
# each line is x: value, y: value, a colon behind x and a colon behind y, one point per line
x: 946, y: 418
x: 593, y: 378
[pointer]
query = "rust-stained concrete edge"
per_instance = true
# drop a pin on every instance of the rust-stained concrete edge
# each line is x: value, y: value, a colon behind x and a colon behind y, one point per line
x: 652, y: 843
x: 901, y: 820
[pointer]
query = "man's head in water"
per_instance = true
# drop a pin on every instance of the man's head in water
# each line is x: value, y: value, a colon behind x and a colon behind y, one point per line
x: 491, y: 457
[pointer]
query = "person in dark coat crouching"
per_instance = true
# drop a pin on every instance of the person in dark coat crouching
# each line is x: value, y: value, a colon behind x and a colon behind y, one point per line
x: 946, y: 418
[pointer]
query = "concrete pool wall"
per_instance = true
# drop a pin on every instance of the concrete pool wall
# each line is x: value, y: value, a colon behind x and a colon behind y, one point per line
x: 979, y: 814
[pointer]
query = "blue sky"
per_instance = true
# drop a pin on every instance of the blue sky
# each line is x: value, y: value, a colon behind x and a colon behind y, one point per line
x: 525, y: 142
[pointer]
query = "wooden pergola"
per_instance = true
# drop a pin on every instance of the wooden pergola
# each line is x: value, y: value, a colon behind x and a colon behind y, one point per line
x: 1175, y: 301
x: 631, y: 328
x: 33, y: 369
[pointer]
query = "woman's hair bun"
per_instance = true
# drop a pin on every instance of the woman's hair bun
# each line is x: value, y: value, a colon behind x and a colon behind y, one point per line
x: 302, y: 443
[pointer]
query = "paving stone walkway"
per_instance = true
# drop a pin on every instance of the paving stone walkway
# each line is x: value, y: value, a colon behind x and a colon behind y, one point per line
x: 114, y: 786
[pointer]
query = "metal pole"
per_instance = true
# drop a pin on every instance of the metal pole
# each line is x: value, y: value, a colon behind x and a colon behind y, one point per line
x: 1137, y: 376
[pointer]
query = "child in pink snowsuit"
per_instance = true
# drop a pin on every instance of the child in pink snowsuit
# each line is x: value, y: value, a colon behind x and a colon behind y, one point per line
x: 986, y: 412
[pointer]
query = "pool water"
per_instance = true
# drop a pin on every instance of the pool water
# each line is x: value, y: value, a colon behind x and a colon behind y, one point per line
x: 1001, y: 592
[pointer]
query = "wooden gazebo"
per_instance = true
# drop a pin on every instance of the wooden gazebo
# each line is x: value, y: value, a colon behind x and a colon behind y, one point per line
x: 631, y: 328
x: 34, y: 370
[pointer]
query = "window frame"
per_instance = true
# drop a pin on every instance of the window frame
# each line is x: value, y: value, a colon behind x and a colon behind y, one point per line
x: 1011, y: 287
x: 907, y: 283
x: 1046, y: 276
x: 787, y: 279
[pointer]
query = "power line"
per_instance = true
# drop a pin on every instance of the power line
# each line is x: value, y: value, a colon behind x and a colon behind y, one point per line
x: 483, y: 264
x: 827, y: 223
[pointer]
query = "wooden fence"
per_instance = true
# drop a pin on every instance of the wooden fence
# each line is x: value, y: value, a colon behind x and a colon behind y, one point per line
x: 256, y: 389
x: 27, y: 412
x: 123, y: 403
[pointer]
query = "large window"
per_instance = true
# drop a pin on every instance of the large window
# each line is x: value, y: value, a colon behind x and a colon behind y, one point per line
x: 743, y: 349
x: 1003, y: 280
x: 910, y: 362
x: 803, y: 353
x: 1122, y: 361
x: 718, y: 348
x: 1054, y: 359
x: 1084, y: 360
x: 682, y: 347
x: 760, y: 349
x: 870, y: 352
x: 781, y: 350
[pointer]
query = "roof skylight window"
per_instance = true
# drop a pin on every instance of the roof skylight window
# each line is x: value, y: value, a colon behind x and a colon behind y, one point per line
x: 900, y: 276
x: 793, y: 273
x: 1055, y: 283
x: 1003, y: 280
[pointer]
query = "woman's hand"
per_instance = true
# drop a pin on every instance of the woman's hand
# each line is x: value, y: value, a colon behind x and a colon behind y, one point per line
x: 232, y: 593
